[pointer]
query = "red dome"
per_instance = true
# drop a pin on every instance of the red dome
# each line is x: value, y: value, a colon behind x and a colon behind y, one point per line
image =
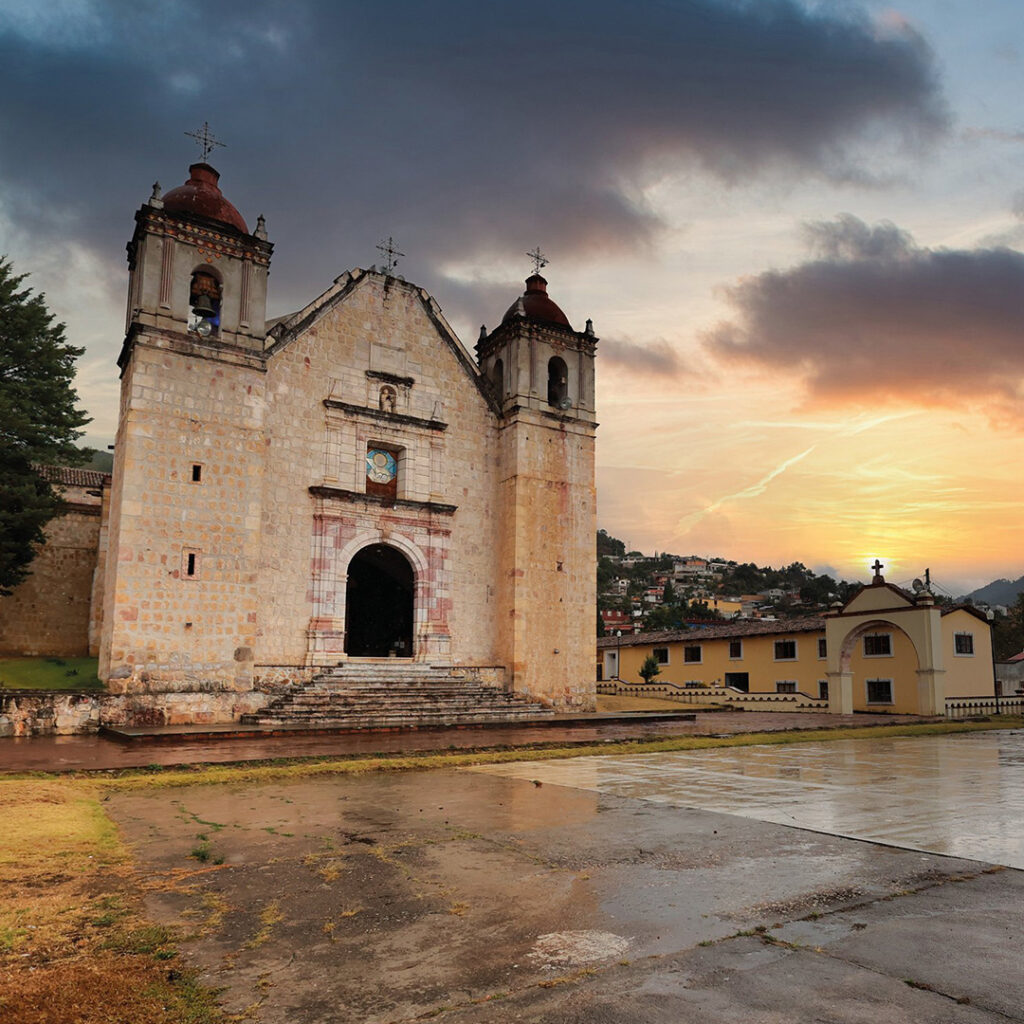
x: 202, y: 196
x: 537, y: 305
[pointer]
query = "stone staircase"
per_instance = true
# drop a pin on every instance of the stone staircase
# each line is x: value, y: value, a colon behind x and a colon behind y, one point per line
x: 390, y: 695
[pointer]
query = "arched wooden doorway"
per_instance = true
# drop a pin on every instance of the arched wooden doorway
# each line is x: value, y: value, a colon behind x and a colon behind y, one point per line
x: 379, y: 604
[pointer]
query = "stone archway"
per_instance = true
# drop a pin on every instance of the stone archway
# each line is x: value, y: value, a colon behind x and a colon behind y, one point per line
x: 379, y: 604
x: 920, y: 625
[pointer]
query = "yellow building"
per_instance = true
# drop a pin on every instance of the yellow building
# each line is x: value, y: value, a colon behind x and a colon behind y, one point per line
x: 885, y: 650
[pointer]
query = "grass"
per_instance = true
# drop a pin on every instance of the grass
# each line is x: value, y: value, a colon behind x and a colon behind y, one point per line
x: 74, y: 945
x: 608, y: 702
x: 49, y: 674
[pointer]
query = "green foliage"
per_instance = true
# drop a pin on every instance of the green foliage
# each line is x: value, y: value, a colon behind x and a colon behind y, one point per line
x: 38, y: 421
x: 608, y: 545
x: 650, y: 668
x: 1008, y: 632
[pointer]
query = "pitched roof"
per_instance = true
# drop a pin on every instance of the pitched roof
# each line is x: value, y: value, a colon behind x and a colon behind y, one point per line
x: 754, y: 627
x: 72, y: 476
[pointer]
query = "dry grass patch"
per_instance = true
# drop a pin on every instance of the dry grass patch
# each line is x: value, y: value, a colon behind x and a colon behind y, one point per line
x: 609, y: 703
x: 74, y: 947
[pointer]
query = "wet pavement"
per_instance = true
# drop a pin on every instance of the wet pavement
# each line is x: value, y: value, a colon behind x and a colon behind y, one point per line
x: 959, y: 794
x: 99, y: 753
x: 472, y: 896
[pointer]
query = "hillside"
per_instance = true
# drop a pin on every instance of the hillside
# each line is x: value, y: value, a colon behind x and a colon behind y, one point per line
x: 997, y: 592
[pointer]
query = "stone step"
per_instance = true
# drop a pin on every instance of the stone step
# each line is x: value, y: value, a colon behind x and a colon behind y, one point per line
x: 392, y: 696
x: 372, y: 721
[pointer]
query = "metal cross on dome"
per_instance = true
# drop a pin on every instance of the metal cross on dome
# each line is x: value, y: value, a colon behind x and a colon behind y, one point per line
x: 205, y: 139
x: 878, y: 567
x: 390, y: 252
x: 539, y: 259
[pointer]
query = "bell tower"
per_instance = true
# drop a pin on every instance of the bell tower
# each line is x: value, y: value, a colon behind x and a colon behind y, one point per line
x: 180, y: 604
x: 542, y: 374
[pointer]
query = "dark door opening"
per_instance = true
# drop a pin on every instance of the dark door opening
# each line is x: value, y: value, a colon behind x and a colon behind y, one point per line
x: 738, y: 681
x: 378, y: 604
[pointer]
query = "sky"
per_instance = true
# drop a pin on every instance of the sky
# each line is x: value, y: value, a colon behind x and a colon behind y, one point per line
x: 796, y: 226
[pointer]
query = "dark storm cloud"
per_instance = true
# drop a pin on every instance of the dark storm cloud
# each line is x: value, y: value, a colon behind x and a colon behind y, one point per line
x: 464, y: 129
x: 658, y: 359
x: 878, y: 319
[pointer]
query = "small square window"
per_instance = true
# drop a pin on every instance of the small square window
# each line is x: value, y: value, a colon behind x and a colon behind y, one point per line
x: 822, y: 648
x: 785, y: 650
x: 735, y: 649
x: 197, y: 472
x: 964, y: 643
x: 660, y: 655
x: 878, y: 645
x: 692, y: 655
x: 785, y: 686
x: 879, y: 691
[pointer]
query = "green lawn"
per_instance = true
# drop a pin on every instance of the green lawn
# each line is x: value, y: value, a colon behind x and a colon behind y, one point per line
x: 49, y: 674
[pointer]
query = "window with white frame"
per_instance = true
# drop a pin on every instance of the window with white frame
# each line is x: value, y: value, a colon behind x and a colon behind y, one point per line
x: 693, y: 654
x: 785, y: 686
x: 822, y: 689
x: 963, y: 645
x: 735, y: 650
x: 879, y: 691
x: 785, y: 650
x: 878, y: 645
x: 822, y: 648
x: 660, y: 655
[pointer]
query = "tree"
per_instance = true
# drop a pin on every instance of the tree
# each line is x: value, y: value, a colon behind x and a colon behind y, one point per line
x: 39, y: 423
x: 650, y: 668
x: 668, y: 595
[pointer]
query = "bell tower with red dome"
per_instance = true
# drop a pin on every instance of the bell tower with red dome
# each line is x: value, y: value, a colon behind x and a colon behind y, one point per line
x: 541, y: 372
x: 179, y: 590
x: 194, y: 268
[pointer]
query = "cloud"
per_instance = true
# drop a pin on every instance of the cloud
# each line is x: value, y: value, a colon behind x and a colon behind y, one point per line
x: 876, y: 320
x: 754, y: 490
x: 463, y: 129
x: 657, y: 359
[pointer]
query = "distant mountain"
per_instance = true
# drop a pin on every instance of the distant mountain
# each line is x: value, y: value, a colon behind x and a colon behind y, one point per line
x: 997, y: 592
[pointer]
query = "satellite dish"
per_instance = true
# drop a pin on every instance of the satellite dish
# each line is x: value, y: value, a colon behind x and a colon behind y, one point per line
x: 565, y: 403
x: 918, y: 586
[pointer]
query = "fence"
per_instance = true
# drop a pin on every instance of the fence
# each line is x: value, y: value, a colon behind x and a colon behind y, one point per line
x: 715, y: 695
x: 969, y: 707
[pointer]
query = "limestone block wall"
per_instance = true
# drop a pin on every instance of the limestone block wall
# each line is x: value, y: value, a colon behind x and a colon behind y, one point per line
x: 549, y: 569
x: 375, y: 333
x: 49, y: 613
x: 171, y: 621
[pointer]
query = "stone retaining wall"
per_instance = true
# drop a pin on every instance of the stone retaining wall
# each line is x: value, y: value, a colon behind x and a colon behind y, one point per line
x: 71, y: 712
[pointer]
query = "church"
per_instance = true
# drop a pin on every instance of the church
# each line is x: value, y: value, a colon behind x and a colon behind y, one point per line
x: 344, y: 487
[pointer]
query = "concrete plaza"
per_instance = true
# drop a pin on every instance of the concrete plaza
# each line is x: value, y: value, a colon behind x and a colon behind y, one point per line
x: 603, y: 890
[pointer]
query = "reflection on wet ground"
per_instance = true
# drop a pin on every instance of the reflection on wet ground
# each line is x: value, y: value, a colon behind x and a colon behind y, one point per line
x: 961, y: 795
x: 97, y: 753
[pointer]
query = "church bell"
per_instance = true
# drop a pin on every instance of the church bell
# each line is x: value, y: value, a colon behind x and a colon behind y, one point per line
x: 203, y: 306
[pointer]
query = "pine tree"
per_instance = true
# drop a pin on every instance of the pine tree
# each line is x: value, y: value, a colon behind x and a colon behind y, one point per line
x: 38, y: 421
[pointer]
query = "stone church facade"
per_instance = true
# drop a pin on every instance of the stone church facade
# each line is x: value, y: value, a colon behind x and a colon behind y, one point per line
x: 341, y: 486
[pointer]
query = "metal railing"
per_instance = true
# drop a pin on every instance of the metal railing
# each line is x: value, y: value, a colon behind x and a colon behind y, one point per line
x: 969, y: 707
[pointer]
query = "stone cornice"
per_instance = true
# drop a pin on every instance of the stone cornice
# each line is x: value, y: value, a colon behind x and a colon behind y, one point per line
x: 357, y: 497
x: 391, y: 378
x: 385, y: 417
x: 189, y: 345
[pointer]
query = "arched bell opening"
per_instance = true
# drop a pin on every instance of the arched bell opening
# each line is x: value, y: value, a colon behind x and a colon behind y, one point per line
x: 204, y: 299
x: 379, y: 604
x: 558, y: 383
